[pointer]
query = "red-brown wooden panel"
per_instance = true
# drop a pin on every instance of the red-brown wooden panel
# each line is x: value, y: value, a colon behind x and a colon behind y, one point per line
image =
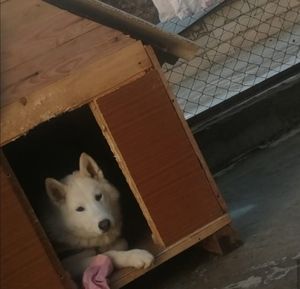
x: 160, y: 159
x: 24, y: 260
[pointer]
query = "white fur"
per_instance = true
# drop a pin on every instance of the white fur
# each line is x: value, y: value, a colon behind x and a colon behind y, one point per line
x: 69, y: 228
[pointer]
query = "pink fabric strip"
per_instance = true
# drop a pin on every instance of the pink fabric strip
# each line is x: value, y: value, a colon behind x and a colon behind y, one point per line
x: 95, y: 276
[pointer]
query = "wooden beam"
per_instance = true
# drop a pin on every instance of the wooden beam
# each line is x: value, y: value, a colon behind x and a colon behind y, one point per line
x: 123, y: 277
x: 223, y: 241
x: 136, y: 27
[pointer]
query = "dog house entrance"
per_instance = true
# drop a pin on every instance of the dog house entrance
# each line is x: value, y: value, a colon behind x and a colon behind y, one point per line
x: 52, y: 150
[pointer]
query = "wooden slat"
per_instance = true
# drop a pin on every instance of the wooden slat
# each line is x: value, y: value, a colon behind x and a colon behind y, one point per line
x: 135, y: 26
x: 56, y: 64
x: 74, y: 90
x: 41, y: 44
x: 31, y: 28
x: 187, y: 129
x: 123, y: 277
x: 24, y: 260
x: 123, y: 166
x: 160, y: 157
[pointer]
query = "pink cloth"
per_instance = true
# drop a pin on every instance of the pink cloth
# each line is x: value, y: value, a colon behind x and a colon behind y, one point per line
x: 95, y: 276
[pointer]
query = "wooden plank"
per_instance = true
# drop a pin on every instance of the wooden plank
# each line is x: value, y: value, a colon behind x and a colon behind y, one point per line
x: 188, y: 131
x: 24, y: 258
x: 135, y: 26
x: 223, y: 241
x: 123, y: 277
x: 42, y: 44
x: 56, y: 64
x: 212, y: 244
x: 122, y: 164
x: 160, y: 157
x: 73, y: 91
x: 31, y: 28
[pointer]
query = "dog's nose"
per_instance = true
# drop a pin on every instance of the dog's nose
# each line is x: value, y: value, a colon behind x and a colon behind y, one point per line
x: 104, y: 225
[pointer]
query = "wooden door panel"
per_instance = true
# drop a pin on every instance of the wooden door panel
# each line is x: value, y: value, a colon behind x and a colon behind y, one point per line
x: 161, y: 161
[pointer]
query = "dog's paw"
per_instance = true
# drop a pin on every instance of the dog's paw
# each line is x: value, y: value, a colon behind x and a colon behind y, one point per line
x: 140, y: 259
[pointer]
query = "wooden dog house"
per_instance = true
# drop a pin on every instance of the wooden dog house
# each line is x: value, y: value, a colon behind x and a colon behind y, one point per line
x: 54, y: 62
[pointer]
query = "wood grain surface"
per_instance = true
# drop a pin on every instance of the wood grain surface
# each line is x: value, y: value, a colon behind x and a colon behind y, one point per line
x: 25, y: 261
x: 45, y: 50
x: 161, y: 160
x: 122, y: 277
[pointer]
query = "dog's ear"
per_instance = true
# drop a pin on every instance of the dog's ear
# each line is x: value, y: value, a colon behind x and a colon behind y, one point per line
x: 88, y: 167
x: 56, y: 191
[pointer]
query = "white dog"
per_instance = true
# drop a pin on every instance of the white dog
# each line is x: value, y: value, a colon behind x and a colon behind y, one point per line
x: 86, y: 215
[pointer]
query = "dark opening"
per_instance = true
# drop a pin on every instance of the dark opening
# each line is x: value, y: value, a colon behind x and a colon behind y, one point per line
x: 52, y: 150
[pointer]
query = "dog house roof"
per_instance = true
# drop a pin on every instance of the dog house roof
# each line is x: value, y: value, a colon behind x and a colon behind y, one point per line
x: 54, y: 61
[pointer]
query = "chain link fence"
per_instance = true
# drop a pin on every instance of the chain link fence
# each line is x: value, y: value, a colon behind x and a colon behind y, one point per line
x: 243, y: 42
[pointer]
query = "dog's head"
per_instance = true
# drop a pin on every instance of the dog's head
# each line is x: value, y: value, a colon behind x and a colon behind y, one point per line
x: 87, y: 201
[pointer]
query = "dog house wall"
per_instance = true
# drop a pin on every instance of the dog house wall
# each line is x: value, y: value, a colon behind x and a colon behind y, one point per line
x: 156, y: 154
x: 53, y: 62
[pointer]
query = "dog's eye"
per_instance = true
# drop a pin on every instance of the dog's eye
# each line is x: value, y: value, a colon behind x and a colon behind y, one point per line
x: 98, y: 197
x: 80, y: 209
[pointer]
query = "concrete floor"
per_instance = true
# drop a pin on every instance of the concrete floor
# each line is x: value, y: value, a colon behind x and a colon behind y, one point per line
x: 263, y: 195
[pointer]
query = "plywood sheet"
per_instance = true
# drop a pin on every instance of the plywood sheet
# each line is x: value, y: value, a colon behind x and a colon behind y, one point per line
x: 41, y: 44
x: 160, y: 158
x: 49, y: 58
x: 72, y: 91
x: 24, y: 260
